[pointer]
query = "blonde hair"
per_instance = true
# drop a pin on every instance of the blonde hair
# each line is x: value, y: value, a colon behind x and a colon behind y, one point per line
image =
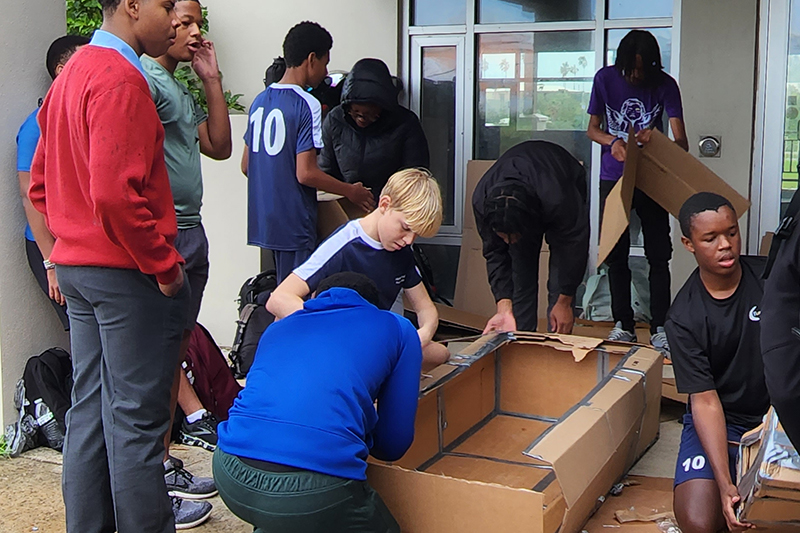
x: 415, y: 193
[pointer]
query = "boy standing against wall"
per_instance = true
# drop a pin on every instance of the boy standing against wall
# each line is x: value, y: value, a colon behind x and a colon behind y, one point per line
x: 280, y: 157
x: 99, y: 178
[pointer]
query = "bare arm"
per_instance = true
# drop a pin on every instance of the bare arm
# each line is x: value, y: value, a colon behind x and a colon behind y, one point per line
x: 427, y: 315
x: 709, y: 420
x: 288, y: 296
x: 215, y: 133
x: 44, y: 239
x: 596, y: 133
x: 679, y: 132
x: 309, y: 174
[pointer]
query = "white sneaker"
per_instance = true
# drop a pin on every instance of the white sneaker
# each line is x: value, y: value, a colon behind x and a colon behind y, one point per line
x: 622, y: 335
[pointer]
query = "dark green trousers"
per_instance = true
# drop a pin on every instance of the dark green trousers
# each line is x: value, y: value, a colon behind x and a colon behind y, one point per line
x: 299, y: 502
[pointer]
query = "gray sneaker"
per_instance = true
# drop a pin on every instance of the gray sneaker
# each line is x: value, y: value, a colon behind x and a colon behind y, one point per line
x: 189, y: 514
x: 622, y: 335
x: 21, y: 435
x: 660, y: 342
x: 184, y: 485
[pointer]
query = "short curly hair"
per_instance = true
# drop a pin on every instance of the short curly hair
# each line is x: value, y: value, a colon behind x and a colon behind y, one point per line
x: 303, y: 39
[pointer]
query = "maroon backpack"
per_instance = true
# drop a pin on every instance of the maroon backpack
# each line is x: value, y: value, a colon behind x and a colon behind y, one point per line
x: 208, y: 372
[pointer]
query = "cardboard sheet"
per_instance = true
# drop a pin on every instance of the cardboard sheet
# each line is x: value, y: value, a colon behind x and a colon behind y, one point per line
x: 649, y: 496
x: 663, y: 171
x: 471, y: 448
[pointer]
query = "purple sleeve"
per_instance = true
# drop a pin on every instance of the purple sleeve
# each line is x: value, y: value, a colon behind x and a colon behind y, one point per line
x: 672, y: 99
x: 597, y: 102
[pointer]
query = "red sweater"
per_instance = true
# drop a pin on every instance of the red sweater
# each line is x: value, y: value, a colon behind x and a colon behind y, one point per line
x: 99, y: 174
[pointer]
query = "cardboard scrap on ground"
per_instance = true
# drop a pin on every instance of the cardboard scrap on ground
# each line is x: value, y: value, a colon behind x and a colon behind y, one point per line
x: 650, y: 497
x: 769, y: 477
x: 667, y: 174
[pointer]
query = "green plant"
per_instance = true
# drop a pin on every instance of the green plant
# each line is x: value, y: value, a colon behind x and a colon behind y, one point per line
x: 85, y: 16
x: 5, y: 450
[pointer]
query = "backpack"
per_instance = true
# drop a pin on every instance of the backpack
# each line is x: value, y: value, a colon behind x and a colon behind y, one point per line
x: 208, y: 372
x: 48, y: 388
x: 253, y: 321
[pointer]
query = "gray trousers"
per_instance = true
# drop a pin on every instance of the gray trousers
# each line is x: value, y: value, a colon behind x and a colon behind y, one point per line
x: 125, y: 337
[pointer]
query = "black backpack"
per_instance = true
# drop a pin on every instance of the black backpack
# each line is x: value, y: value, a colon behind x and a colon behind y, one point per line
x: 48, y: 389
x: 253, y: 320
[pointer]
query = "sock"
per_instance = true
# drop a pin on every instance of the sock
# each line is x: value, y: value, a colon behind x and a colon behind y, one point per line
x: 194, y: 417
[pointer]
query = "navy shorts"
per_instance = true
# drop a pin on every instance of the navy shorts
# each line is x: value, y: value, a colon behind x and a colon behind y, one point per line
x: 192, y: 244
x: 693, y: 462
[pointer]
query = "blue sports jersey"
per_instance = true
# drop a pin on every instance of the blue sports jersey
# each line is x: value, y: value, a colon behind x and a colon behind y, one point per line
x: 350, y: 249
x: 27, y: 139
x: 285, y: 121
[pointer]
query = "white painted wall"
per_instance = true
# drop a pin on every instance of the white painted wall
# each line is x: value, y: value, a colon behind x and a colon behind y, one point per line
x: 28, y: 325
x: 249, y: 33
x: 717, y: 79
x: 225, y: 220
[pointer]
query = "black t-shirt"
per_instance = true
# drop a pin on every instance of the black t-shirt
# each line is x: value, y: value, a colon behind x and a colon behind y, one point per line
x: 715, y: 344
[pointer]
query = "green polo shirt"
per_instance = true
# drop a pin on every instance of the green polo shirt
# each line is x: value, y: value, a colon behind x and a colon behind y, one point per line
x: 181, y: 115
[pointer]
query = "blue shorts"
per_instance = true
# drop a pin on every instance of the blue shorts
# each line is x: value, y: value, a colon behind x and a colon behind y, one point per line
x: 693, y: 462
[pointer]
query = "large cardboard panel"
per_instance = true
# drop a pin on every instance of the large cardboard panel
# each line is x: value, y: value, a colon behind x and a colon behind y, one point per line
x: 617, y: 210
x: 577, y: 447
x: 773, y: 510
x: 428, y: 503
x: 541, y: 381
x: 426, y: 434
x: 504, y: 437
x: 666, y: 173
x: 488, y: 471
x: 469, y: 399
x: 651, y: 363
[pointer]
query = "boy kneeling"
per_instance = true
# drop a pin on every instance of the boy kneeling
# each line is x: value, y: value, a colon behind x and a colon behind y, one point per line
x: 713, y: 331
x: 379, y: 246
x: 292, y: 455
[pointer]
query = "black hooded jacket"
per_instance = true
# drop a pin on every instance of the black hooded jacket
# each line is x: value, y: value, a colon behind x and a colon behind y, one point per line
x: 371, y: 155
x: 556, y: 182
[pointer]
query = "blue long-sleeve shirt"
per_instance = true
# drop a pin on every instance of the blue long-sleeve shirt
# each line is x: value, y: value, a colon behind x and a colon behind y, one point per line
x: 309, y: 398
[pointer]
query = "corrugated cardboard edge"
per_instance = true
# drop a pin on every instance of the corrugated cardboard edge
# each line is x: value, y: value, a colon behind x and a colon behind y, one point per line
x: 617, y: 210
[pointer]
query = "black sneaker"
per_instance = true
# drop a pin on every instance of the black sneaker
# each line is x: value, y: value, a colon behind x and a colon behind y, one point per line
x: 201, y: 433
x: 184, y: 485
x: 189, y: 514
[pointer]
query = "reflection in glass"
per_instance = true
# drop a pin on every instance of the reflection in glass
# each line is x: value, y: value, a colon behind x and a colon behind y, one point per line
x: 438, y: 117
x: 791, y: 128
x: 632, y: 9
x: 499, y: 11
x: 534, y: 86
x: 662, y: 35
x: 438, y: 12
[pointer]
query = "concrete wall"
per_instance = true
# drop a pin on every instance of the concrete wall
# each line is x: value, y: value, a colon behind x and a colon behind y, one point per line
x: 28, y: 324
x: 249, y: 34
x: 717, y: 79
x: 225, y: 220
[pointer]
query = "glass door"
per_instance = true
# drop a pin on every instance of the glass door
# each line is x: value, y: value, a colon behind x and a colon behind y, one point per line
x: 437, y: 97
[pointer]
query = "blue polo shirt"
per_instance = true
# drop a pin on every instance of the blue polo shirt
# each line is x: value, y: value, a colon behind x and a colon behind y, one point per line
x: 27, y: 139
x: 350, y: 249
x: 285, y: 121
x: 310, y: 396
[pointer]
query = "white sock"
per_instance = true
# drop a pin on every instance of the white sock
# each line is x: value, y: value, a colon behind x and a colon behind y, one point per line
x: 194, y: 417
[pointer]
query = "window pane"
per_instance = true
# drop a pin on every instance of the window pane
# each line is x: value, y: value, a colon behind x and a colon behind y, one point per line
x: 444, y: 12
x: 662, y: 35
x: 632, y: 9
x: 791, y: 126
x: 438, y: 117
x: 534, y: 86
x: 498, y: 11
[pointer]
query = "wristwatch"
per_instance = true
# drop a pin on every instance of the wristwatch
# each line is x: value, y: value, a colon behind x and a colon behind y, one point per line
x: 48, y: 265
